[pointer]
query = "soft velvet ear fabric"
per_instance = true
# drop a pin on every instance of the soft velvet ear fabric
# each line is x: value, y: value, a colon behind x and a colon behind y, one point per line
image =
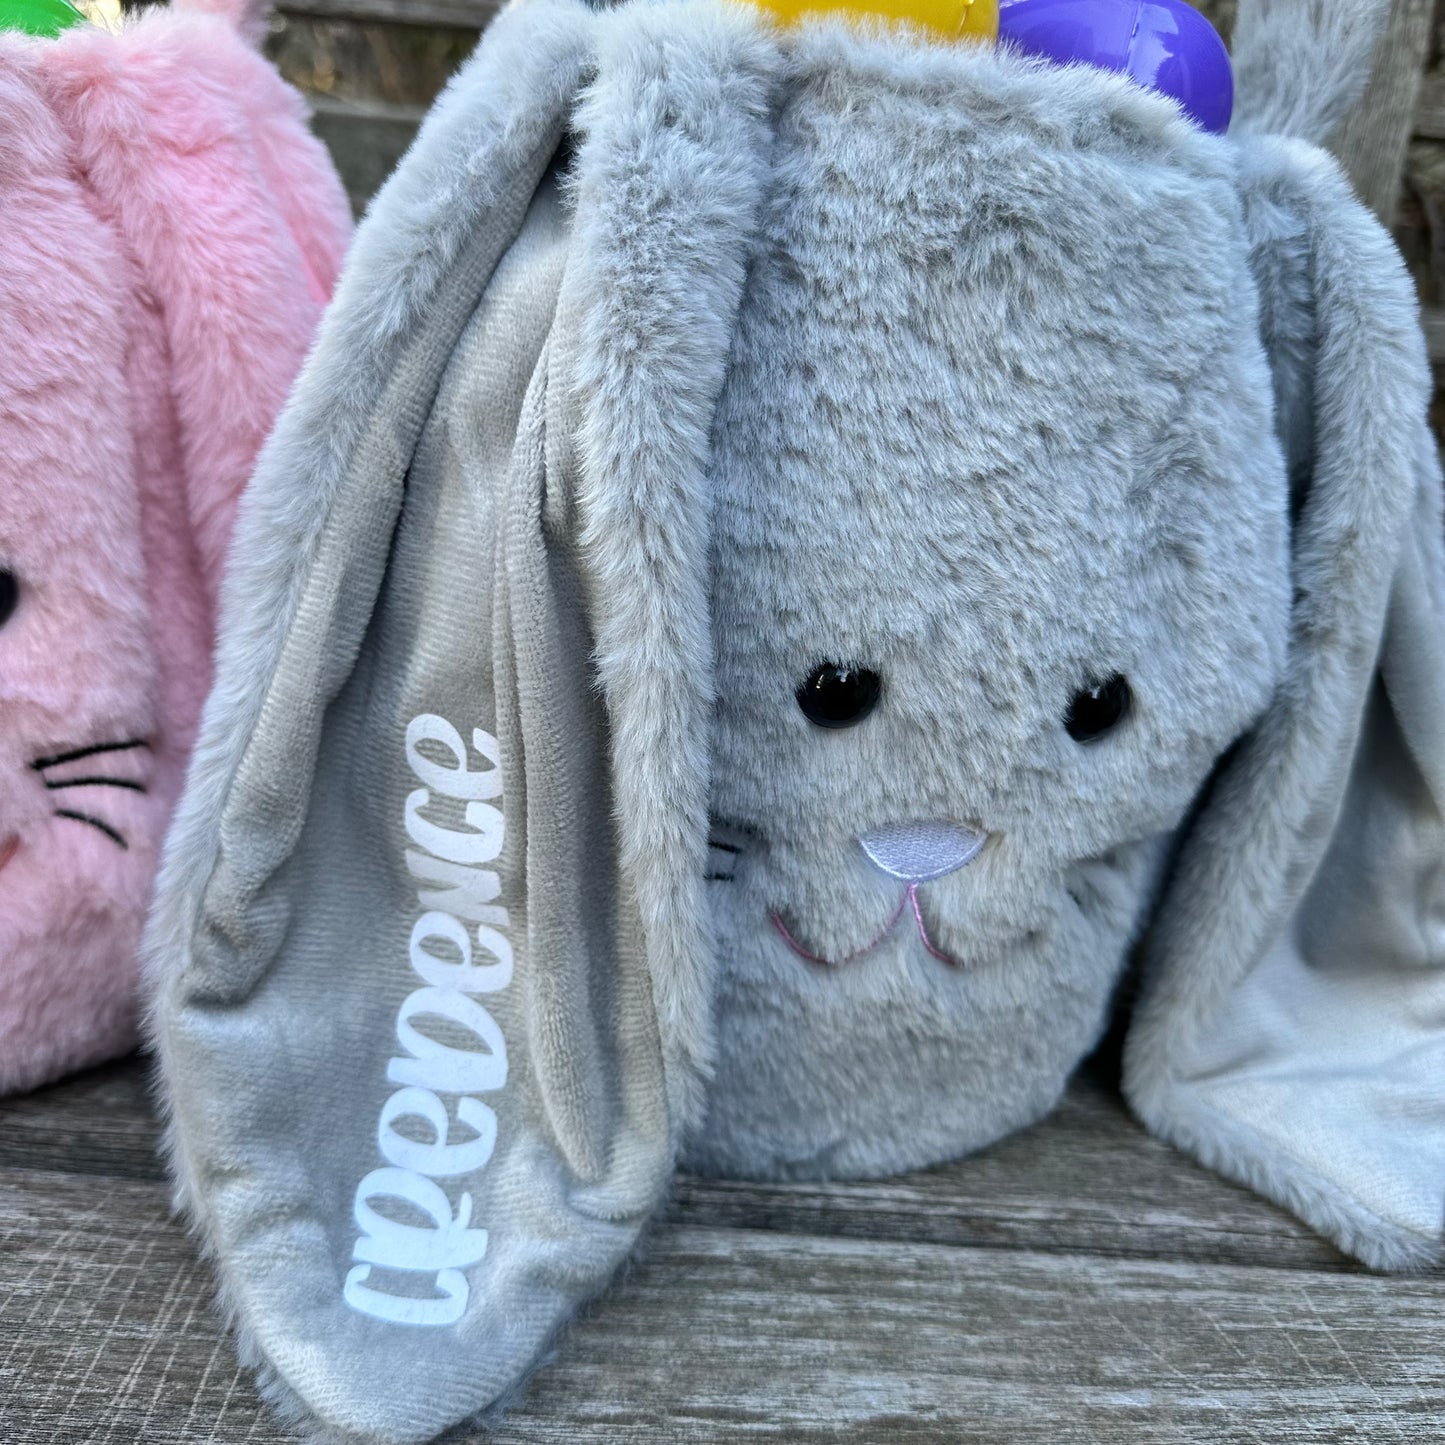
x: 426, y: 1052
x: 173, y: 231
x: 1292, y: 1029
x: 997, y: 421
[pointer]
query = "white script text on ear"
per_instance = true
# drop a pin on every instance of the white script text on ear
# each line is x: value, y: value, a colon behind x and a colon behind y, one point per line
x: 458, y: 890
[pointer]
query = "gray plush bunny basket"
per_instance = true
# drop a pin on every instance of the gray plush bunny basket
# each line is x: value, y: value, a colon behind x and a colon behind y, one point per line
x: 797, y: 554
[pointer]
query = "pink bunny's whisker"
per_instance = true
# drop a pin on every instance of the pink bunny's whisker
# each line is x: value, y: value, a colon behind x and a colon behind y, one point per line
x: 113, y: 834
x: 128, y: 783
x: 40, y: 765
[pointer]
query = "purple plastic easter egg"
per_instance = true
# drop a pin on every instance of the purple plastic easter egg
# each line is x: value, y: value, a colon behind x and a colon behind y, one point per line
x: 1166, y: 45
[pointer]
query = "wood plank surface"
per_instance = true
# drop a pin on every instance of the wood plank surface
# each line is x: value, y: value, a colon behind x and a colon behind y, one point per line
x: 447, y: 14
x: 366, y: 140
x: 1432, y: 320
x: 1086, y: 1179
x: 1374, y: 140
x: 1430, y: 110
x: 1077, y: 1283
x: 744, y: 1335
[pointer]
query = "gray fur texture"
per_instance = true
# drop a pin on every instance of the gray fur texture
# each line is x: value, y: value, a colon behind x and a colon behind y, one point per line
x: 995, y: 379
x: 1290, y: 1036
x: 1019, y: 492
x: 1300, y: 64
x: 651, y: 349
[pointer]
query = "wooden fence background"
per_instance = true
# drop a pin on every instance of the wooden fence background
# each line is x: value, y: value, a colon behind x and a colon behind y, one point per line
x: 372, y: 67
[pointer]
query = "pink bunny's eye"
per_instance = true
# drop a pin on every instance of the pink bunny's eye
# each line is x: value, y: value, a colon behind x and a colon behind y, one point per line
x: 9, y: 595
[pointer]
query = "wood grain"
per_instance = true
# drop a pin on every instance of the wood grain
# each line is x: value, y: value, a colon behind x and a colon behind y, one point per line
x: 447, y: 14
x: 1373, y: 142
x: 99, y: 1122
x: 1087, y: 1179
x: 106, y: 1336
x: 1432, y: 320
x: 1430, y: 110
x: 779, y: 1337
x: 106, y: 1328
x: 366, y: 140
x: 1080, y: 1282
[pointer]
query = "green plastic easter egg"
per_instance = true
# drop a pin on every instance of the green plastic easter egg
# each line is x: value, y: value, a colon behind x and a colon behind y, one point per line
x: 46, y: 18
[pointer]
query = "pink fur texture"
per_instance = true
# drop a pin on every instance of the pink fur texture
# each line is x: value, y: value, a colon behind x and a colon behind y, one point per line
x: 169, y: 232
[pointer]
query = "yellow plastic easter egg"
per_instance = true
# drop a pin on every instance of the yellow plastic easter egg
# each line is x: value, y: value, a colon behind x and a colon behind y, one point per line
x: 948, y: 19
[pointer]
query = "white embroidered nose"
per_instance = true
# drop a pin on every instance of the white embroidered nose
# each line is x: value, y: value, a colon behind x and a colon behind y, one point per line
x: 917, y: 852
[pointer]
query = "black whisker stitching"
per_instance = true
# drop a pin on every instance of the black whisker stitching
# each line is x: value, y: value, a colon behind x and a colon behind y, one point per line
x: 720, y: 878
x: 94, y: 823
x: 731, y: 825
x: 723, y: 847
x: 97, y: 782
x: 40, y: 764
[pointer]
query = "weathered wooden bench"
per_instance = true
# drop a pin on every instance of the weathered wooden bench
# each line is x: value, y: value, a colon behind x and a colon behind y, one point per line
x: 1079, y: 1282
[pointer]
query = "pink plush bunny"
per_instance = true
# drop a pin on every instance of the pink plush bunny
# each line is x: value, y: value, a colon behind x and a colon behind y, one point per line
x: 169, y: 233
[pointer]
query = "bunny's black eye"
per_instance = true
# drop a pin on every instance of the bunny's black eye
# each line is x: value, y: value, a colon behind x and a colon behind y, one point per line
x: 9, y: 595
x: 1096, y: 709
x: 834, y: 696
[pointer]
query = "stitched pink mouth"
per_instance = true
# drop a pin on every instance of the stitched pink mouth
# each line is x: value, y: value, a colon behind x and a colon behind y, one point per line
x: 909, y: 897
x: 8, y: 849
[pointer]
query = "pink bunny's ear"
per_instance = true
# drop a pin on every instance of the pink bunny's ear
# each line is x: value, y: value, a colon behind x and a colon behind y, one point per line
x: 199, y: 155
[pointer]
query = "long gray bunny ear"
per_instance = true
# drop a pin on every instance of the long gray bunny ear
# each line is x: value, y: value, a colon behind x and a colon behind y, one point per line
x: 430, y: 1016
x: 1292, y: 1029
x: 1299, y: 65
